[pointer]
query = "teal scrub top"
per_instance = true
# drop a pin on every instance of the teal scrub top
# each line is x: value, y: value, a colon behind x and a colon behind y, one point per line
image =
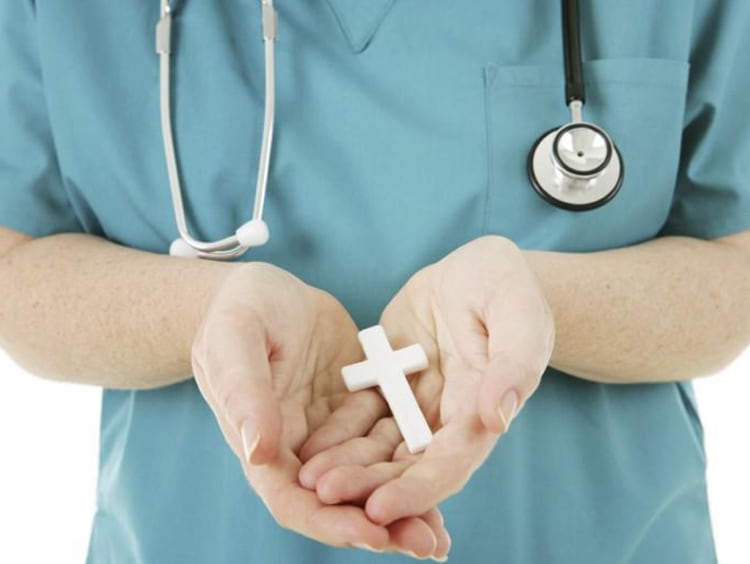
x: 402, y: 132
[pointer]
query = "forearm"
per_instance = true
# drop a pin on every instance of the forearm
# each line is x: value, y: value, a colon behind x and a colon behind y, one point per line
x: 81, y: 309
x: 669, y: 309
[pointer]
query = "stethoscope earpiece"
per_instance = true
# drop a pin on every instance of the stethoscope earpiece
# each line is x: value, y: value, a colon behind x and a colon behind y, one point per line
x: 254, y: 233
x: 180, y: 248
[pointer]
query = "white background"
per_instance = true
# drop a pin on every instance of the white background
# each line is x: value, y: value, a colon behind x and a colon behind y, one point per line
x: 48, y: 460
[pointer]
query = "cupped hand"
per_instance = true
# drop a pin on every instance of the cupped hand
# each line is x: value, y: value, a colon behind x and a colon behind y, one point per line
x: 488, y: 333
x: 267, y: 359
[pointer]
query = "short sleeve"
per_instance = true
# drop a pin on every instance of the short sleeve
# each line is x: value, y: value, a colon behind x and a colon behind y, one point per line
x: 32, y: 195
x: 712, y: 196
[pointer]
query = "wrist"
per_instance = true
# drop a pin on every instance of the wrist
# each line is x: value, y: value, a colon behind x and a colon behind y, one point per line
x: 545, y: 267
x: 212, y: 277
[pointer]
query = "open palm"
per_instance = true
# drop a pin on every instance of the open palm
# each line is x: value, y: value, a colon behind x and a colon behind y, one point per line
x: 488, y: 335
x: 268, y: 360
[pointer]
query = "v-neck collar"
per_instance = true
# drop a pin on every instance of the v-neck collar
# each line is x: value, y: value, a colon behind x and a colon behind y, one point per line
x: 360, y: 19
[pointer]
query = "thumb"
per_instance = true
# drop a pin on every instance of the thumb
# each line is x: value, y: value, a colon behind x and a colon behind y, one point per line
x: 231, y: 360
x: 503, y: 391
x: 517, y: 358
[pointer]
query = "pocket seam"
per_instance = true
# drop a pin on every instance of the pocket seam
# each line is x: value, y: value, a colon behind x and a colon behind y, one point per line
x: 548, y: 76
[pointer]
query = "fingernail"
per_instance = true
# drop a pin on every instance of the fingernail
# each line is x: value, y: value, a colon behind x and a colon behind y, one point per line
x: 508, y: 408
x: 250, y: 439
x: 366, y: 547
x: 441, y: 559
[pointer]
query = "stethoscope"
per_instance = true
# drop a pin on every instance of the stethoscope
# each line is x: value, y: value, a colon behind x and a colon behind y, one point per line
x: 253, y: 233
x: 575, y: 167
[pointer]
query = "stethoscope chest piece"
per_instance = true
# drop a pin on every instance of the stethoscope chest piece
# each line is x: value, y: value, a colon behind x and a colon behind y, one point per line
x: 576, y: 167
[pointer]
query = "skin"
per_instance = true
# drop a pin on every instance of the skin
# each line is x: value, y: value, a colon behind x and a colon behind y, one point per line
x: 459, y: 310
x: 462, y: 310
x: 615, y: 316
x: 268, y: 359
x: 276, y: 380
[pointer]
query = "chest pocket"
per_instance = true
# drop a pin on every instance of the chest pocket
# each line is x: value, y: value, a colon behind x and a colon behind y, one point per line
x: 639, y: 102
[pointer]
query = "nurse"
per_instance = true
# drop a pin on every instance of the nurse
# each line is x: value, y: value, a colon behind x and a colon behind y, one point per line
x: 398, y: 193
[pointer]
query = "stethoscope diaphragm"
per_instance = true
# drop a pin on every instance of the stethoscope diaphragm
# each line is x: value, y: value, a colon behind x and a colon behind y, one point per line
x: 576, y: 167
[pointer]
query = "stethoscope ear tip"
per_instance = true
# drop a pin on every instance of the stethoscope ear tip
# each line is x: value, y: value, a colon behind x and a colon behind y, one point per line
x: 254, y: 233
x: 180, y: 248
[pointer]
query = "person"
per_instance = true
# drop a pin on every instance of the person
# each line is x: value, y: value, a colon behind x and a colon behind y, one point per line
x: 398, y: 195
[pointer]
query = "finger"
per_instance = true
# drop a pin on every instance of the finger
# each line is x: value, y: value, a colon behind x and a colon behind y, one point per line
x: 341, y: 525
x: 503, y: 390
x: 354, y: 484
x: 299, y: 510
x: 414, y: 536
x: 378, y: 446
x: 354, y: 418
x: 231, y: 435
x: 456, y: 451
x: 434, y: 519
x: 344, y: 526
x: 517, y: 360
x: 232, y: 355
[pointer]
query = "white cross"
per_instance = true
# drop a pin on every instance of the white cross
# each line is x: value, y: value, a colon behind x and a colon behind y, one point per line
x: 387, y: 369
